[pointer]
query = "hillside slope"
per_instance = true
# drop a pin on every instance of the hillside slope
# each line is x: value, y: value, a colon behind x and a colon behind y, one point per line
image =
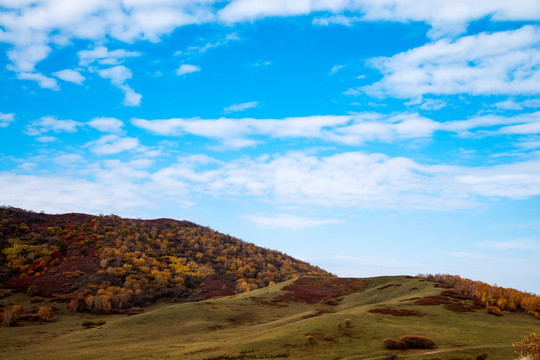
x: 105, y: 264
x: 274, y: 322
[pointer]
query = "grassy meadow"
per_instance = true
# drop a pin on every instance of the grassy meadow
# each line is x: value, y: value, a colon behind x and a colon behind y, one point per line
x: 273, y: 323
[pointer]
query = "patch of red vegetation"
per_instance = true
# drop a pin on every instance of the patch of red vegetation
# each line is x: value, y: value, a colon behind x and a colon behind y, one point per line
x: 455, y: 295
x: 385, y: 286
x: 314, y: 289
x: 61, y: 280
x: 442, y: 286
x: 216, y: 286
x: 460, y: 307
x: 395, y: 312
x: 432, y: 300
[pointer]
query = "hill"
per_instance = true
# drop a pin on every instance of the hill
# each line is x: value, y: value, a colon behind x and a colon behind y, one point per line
x: 295, y: 319
x: 106, y: 264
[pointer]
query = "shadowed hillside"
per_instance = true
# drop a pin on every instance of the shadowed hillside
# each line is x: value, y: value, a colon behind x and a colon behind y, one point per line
x: 105, y: 264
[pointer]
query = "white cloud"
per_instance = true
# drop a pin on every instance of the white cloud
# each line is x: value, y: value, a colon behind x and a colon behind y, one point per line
x: 42, y: 80
x: 70, y: 75
x: 106, y: 124
x: 200, y: 49
x: 6, y: 119
x: 359, y: 180
x: 112, y: 144
x: 49, y: 123
x: 345, y: 129
x: 118, y: 76
x: 337, y: 20
x: 342, y: 180
x: 46, y: 139
x: 289, y: 221
x: 241, y: 107
x: 187, y: 69
x: 336, y: 68
x: 31, y: 27
x: 505, y: 62
x: 445, y: 16
x: 103, y: 56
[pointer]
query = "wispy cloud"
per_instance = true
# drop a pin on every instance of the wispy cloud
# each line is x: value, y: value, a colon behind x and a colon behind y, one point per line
x: 187, y: 69
x: 102, y: 56
x: 289, y: 221
x: 241, y: 107
x: 6, y: 119
x: 336, y: 68
x: 112, y: 144
x: 50, y: 123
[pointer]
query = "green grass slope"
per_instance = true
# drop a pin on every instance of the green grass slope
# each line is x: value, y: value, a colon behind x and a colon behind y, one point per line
x: 273, y: 323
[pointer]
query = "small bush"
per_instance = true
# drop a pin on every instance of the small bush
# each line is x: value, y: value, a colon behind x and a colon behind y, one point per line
x: 409, y: 342
x: 310, y: 339
x: 392, y: 344
x: 32, y: 290
x: 417, y: 342
x: 347, y: 322
x: 495, y: 310
x: 482, y: 356
x: 340, y: 325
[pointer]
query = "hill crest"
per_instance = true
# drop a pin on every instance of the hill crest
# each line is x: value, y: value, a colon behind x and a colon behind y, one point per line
x: 109, y: 264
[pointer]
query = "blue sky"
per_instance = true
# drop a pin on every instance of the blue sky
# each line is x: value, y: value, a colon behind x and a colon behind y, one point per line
x: 367, y: 137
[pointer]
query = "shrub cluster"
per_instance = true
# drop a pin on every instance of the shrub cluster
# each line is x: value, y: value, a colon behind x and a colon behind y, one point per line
x: 90, y: 324
x: 528, y: 347
x: 409, y: 342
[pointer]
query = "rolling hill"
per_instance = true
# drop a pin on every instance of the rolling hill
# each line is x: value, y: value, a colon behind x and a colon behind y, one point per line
x: 77, y: 286
x: 275, y: 322
x: 106, y: 264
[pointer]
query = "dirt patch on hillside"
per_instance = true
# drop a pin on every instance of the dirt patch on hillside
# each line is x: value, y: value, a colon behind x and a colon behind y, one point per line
x: 312, y: 290
x: 395, y: 312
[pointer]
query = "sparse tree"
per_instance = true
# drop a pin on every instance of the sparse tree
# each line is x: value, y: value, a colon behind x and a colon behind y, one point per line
x: 310, y: 339
x: 45, y: 313
x: 347, y: 322
x: 529, y: 347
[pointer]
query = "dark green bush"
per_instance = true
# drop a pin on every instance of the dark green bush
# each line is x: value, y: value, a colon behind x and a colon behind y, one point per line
x: 392, y: 344
x: 417, y: 342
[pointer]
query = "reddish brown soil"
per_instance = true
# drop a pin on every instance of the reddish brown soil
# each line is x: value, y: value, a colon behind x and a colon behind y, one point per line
x: 313, y: 289
x: 395, y: 312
